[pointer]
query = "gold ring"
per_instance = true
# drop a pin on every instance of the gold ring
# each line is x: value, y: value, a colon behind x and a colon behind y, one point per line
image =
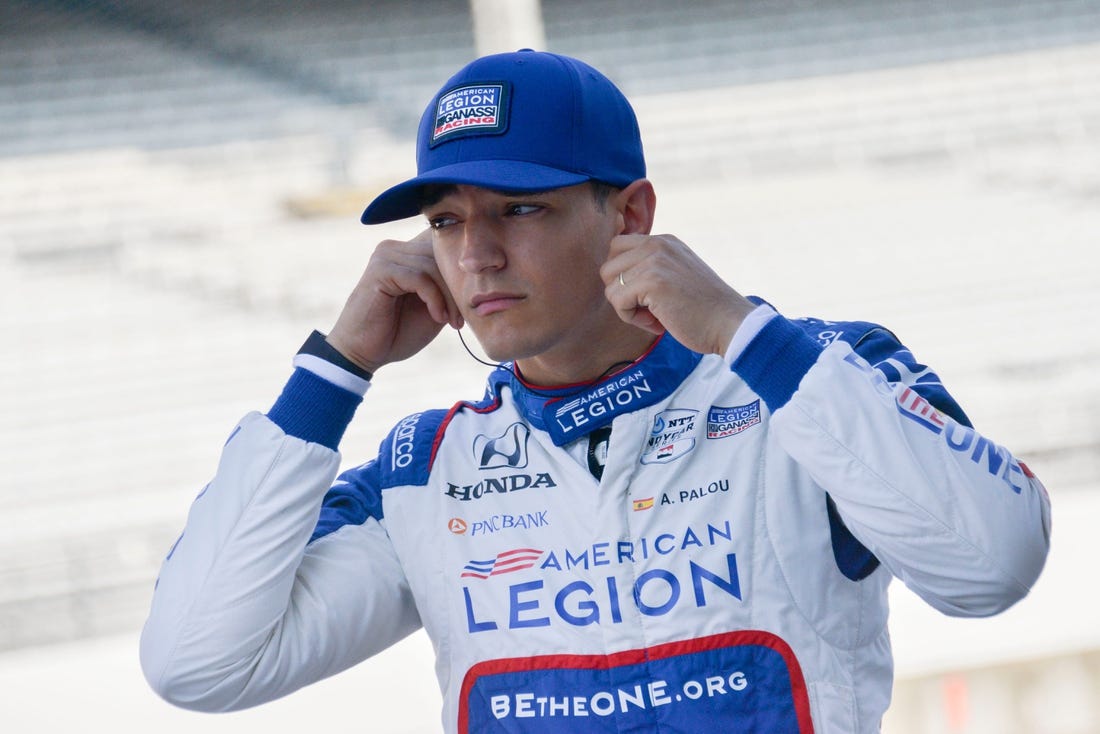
x: 621, y: 281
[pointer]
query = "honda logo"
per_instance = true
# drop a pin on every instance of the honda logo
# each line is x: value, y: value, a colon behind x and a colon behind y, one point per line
x: 506, y: 450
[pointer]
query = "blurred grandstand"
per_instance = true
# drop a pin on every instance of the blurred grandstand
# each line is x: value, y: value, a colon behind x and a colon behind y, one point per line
x: 179, y: 192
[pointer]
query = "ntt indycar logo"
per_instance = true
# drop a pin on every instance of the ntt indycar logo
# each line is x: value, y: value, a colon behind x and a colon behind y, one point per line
x: 544, y: 601
x: 670, y: 437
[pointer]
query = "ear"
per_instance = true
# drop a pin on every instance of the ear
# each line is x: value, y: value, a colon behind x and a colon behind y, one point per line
x: 637, y: 204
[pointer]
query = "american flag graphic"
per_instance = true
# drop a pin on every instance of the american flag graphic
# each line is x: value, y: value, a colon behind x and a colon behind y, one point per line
x: 506, y: 562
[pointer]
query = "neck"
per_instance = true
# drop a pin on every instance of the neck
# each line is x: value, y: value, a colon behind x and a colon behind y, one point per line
x: 586, y: 364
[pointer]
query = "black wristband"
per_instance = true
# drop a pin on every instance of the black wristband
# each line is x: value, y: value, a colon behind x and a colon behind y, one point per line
x: 317, y: 345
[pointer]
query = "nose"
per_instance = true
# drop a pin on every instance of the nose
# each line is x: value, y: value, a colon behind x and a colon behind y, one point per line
x: 482, y: 247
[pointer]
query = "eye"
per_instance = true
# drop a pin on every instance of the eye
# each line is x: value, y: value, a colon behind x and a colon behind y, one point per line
x: 519, y: 210
x: 440, y: 222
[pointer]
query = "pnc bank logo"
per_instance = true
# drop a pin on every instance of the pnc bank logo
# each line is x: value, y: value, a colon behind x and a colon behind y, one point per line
x: 506, y: 450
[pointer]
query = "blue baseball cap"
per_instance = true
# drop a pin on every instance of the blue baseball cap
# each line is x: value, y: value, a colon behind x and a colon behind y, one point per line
x: 522, y: 121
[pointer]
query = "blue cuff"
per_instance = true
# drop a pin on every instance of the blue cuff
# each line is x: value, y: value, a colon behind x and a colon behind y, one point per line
x: 774, y: 362
x: 313, y: 409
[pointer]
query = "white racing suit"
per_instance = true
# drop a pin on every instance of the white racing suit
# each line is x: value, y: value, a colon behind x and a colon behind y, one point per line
x: 727, y: 573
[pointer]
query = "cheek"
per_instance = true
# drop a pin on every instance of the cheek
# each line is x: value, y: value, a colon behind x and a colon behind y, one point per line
x: 579, y: 288
x: 583, y: 251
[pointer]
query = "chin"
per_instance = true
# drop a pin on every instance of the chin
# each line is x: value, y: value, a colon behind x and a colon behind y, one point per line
x: 504, y: 350
x: 493, y: 349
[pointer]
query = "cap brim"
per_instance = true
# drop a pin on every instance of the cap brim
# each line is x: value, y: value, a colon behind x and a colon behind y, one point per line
x: 403, y: 200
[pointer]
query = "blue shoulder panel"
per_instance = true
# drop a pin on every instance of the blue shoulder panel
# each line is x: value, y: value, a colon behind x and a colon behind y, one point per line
x: 886, y: 354
x: 350, y: 501
x: 404, y: 458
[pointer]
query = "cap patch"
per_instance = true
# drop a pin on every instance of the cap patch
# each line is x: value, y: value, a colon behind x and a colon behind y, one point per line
x: 472, y: 109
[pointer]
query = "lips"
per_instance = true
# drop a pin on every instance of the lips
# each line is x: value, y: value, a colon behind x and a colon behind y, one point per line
x: 490, y: 303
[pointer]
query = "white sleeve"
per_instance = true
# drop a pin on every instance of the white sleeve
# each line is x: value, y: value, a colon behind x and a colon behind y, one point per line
x: 246, y: 609
x: 950, y: 513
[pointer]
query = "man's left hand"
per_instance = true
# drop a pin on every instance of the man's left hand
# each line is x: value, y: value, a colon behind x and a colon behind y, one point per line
x: 658, y: 283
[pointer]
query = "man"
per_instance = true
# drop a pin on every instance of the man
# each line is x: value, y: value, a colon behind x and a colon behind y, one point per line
x: 674, y: 510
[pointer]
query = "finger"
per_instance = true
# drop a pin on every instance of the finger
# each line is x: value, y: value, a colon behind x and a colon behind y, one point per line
x: 625, y: 253
x: 629, y: 302
x: 421, y: 244
x: 627, y: 298
x: 413, y: 269
x: 424, y: 236
x: 429, y: 289
x: 452, y: 315
x: 643, y: 318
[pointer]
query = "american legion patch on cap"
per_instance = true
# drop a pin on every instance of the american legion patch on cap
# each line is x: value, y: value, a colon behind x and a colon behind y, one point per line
x: 472, y: 109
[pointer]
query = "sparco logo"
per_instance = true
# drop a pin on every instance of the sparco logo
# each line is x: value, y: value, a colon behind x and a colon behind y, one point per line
x: 508, y: 449
x: 403, y: 441
x: 510, y: 483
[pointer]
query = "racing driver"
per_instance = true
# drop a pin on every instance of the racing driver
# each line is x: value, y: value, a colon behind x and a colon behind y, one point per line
x: 690, y: 505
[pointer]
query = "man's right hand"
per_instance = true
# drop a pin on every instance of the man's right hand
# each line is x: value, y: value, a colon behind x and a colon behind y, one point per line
x: 399, y: 305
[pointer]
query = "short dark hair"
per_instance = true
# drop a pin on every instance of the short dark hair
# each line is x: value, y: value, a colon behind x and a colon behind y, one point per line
x: 434, y: 193
x: 601, y: 192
